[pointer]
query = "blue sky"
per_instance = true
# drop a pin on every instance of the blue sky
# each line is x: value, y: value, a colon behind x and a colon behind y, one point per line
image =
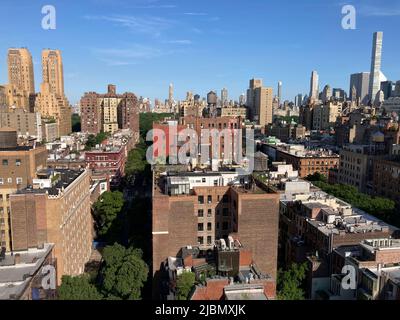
x: 199, y: 45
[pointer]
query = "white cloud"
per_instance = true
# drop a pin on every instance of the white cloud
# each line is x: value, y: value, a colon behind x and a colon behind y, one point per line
x: 372, y: 11
x: 128, y: 56
x: 146, y: 24
x: 195, y: 14
x: 187, y: 42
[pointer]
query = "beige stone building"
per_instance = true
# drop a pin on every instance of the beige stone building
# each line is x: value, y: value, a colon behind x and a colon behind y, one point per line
x: 325, y: 115
x: 27, y: 124
x: 110, y: 114
x: 20, y: 70
x: 18, y: 168
x: 51, y: 102
x: 56, y: 210
x: 260, y: 102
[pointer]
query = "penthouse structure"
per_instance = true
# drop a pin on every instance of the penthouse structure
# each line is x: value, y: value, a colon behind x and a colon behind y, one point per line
x: 56, y: 209
x: 307, y: 162
x: 197, y: 209
x: 227, y: 272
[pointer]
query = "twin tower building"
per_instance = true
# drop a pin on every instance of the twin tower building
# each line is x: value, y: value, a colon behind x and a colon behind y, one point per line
x: 51, y: 101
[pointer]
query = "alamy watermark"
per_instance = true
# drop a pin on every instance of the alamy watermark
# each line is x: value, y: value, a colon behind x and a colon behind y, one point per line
x: 49, y: 278
x: 49, y: 20
x: 212, y: 146
x: 349, y: 21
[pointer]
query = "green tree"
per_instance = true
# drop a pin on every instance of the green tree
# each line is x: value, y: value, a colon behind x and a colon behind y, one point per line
x: 317, y: 177
x: 106, y: 211
x: 291, y: 281
x: 123, y: 273
x: 78, y: 288
x: 184, y: 285
x: 76, y: 123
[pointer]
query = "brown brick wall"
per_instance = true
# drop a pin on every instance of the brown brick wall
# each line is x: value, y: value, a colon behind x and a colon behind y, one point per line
x: 258, y: 222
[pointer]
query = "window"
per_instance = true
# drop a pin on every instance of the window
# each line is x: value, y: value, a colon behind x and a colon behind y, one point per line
x: 225, y: 199
x: 217, y: 226
x: 18, y: 162
x: 203, y: 180
x: 225, y: 212
x: 19, y: 180
x: 200, y: 227
x: 5, y: 162
x: 9, y: 180
x: 225, y: 226
x: 209, y: 240
x: 209, y: 226
x: 200, y: 213
x: 201, y: 199
x: 209, y: 199
x: 1, y: 181
x: 209, y: 213
x: 200, y: 240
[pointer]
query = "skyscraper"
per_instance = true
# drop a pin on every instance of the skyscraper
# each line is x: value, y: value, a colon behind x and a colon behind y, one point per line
x: 20, y: 70
x: 52, y: 70
x: 327, y: 93
x: 360, y: 81
x: 314, y: 86
x: 280, y: 92
x: 376, y: 63
x: 298, y: 100
x: 259, y: 102
x: 51, y: 102
x: 224, y: 96
x: 171, y: 94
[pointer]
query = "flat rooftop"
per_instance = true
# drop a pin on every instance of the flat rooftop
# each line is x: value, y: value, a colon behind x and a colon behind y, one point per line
x: 14, y: 278
x: 65, y: 178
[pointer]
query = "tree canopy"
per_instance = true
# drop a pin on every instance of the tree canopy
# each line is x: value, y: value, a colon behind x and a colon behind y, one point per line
x: 382, y: 208
x: 123, y: 273
x: 106, y: 211
x: 78, y: 288
x: 93, y: 140
x: 290, y: 282
x: 184, y: 285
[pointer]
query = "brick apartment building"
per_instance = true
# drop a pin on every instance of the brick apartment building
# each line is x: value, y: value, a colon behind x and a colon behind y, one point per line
x: 198, y: 124
x: 312, y: 226
x: 109, y: 162
x: 307, y: 162
x: 18, y: 168
x: 109, y: 112
x: 200, y: 213
x: 55, y: 210
x: 386, y: 179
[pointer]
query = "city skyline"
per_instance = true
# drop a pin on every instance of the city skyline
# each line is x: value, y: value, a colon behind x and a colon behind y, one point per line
x: 148, y: 41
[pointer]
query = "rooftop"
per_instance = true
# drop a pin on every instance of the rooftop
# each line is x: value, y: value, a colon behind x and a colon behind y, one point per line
x: 15, y: 277
x: 60, y: 179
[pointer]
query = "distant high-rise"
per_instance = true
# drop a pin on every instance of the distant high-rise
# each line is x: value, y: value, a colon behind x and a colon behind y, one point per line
x: 327, y: 93
x: 339, y: 94
x: 52, y: 70
x: 387, y: 87
x: 51, y: 102
x: 20, y: 70
x: 242, y: 99
x: 298, y: 100
x: 224, y: 96
x: 360, y: 81
x: 171, y: 93
x: 280, y: 92
x: 260, y: 102
x: 376, y: 64
x: 314, y: 86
